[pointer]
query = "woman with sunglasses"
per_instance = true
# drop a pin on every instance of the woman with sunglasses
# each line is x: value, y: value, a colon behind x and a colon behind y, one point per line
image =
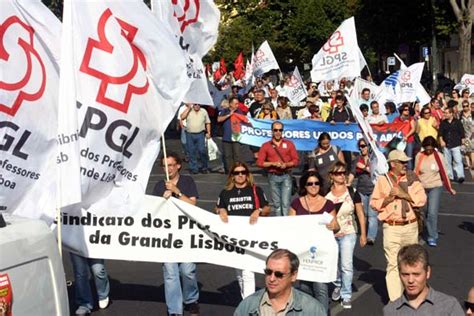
x: 430, y: 166
x: 241, y: 197
x: 311, y: 202
x: 426, y: 125
x: 346, y: 202
x: 361, y: 170
x: 409, y: 138
x: 467, y: 120
x: 267, y: 112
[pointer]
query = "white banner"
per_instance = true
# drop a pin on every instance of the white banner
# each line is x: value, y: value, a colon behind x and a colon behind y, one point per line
x: 295, y: 88
x: 340, y: 56
x: 29, y: 79
x: 123, y: 76
x: 404, y: 84
x: 195, y: 25
x: 264, y: 60
x: 174, y: 231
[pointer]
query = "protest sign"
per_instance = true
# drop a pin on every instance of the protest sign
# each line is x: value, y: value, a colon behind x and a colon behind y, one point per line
x: 123, y: 76
x: 305, y: 133
x: 175, y: 231
x: 29, y: 79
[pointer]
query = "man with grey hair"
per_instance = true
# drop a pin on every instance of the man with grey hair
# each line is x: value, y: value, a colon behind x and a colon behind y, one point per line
x: 419, y: 298
x: 279, y: 297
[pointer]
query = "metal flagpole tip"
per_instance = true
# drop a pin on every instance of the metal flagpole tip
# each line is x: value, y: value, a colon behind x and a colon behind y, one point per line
x: 2, y: 221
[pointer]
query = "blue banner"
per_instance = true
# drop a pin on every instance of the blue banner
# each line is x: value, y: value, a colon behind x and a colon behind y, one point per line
x: 303, y: 133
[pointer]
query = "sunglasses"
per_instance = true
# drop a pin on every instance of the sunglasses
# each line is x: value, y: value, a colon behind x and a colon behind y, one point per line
x: 467, y: 305
x: 278, y: 129
x: 402, y: 162
x: 240, y: 173
x: 362, y: 146
x: 465, y: 106
x: 405, y: 110
x: 312, y: 184
x: 339, y: 173
x: 278, y: 274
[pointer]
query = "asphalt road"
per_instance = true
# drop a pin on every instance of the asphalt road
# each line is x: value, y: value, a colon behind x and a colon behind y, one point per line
x: 137, y: 287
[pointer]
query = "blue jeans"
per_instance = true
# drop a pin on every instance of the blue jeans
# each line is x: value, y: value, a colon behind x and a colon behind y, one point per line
x: 432, y: 207
x: 345, y: 269
x: 81, y: 267
x: 173, y: 294
x: 318, y: 290
x: 197, y: 151
x: 184, y: 145
x: 409, y: 151
x: 280, y: 186
x: 371, y: 215
x: 454, y: 155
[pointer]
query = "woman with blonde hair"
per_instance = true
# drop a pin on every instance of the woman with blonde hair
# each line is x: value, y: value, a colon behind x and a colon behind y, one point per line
x: 241, y: 197
x: 347, y: 203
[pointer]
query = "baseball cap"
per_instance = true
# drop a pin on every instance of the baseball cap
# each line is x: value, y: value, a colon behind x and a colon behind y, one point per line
x: 398, y: 155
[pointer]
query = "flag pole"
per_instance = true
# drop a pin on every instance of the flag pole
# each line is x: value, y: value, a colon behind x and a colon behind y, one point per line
x: 59, y: 231
x: 165, y: 157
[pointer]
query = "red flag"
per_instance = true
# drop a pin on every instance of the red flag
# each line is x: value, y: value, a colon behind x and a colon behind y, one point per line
x: 222, y: 67
x: 239, y: 70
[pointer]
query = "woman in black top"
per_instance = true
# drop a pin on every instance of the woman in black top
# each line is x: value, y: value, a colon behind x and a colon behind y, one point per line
x: 241, y: 197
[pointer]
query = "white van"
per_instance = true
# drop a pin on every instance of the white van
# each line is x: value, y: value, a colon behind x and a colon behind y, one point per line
x: 32, y: 279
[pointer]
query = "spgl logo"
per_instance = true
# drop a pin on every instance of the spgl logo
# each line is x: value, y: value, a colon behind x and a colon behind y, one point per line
x: 332, y: 48
x: 405, y: 79
x: 115, y: 90
x: 23, y: 74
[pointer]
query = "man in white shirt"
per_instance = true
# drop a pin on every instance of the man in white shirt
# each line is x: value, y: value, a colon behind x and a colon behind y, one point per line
x: 376, y: 117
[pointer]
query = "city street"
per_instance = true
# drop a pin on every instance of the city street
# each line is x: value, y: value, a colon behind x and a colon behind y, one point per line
x: 137, y: 287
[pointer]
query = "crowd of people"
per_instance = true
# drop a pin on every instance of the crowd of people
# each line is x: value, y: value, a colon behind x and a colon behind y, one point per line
x: 436, y: 150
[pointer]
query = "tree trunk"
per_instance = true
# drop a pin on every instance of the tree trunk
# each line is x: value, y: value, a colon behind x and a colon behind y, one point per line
x: 465, y: 34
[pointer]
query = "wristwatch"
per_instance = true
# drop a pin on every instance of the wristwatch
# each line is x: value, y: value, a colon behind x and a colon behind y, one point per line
x: 180, y: 194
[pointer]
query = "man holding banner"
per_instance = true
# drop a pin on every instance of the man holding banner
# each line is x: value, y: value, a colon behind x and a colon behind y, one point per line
x: 279, y: 156
x: 183, y: 188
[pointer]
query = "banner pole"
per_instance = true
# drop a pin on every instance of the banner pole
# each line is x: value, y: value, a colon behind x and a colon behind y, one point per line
x: 59, y: 232
x: 165, y: 157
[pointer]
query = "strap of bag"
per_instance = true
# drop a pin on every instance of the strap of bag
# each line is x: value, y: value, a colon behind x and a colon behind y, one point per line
x: 278, y: 153
x: 255, y: 196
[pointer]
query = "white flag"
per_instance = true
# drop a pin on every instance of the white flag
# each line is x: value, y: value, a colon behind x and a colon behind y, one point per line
x: 379, y: 163
x: 295, y: 89
x: 467, y: 81
x: 123, y: 76
x: 340, y: 56
x: 263, y: 60
x: 195, y: 25
x: 29, y: 79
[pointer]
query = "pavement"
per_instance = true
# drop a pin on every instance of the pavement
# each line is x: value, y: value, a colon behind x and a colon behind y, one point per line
x: 137, y: 287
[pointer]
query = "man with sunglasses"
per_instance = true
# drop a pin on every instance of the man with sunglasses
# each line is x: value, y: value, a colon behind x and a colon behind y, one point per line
x: 184, y: 188
x: 418, y: 297
x: 397, y: 196
x: 279, y: 156
x: 279, y: 297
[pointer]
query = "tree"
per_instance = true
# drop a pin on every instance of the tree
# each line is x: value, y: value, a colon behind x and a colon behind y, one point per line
x: 464, y: 12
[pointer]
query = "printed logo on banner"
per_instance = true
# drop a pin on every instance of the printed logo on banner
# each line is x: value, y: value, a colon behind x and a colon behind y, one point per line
x: 406, y: 76
x: 259, y: 56
x: 312, y: 250
x: 28, y: 85
x: 469, y: 81
x: 128, y: 33
x: 186, y: 11
x: 334, y: 42
x: 293, y: 81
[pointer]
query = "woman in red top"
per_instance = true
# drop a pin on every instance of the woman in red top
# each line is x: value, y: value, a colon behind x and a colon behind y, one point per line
x: 409, y: 138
